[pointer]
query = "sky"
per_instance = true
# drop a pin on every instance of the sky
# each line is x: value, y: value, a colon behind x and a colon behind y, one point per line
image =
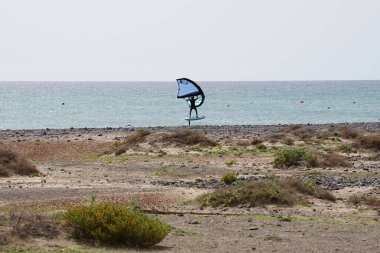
x: 208, y: 40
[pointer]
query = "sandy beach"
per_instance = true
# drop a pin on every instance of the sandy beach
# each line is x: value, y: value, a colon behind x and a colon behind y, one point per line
x: 165, y: 177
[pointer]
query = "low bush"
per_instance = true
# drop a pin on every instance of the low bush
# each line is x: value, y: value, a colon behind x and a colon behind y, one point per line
x: 371, y: 142
x: 261, y: 147
x: 288, y: 141
x: 346, y: 148
x: 121, y: 150
x: 13, y: 163
x: 134, y: 138
x: 370, y: 201
x: 286, y: 157
x: 300, y: 132
x: 26, y: 225
x: 243, y: 143
x: 115, y: 224
x: 137, y: 136
x: 231, y: 162
x: 285, y: 192
x: 309, y: 187
x: 188, y: 137
x: 276, y: 137
x: 349, y: 133
x: 229, y: 178
x: 333, y: 160
x: 256, y: 141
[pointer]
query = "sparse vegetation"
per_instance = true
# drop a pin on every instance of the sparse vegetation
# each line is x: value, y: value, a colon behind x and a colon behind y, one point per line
x: 286, y: 157
x: 187, y: 137
x: 26, y: 225
x: 286, y: 192
x: 370, y: 201
x: 121, y: 150
x: 137, y: 136
x: 289, y: 141
x: 109, y: 223
x: 229, y: 178
x: 261, y: 147
x: 256, y: 141
x: 276, y: 137
x: 12, y: 163
x: 371, y: 142
x: 234, y: 151
x: 230, y: 163
x: 296, y: 156
x: 333, y: 160
x: 349, y: 133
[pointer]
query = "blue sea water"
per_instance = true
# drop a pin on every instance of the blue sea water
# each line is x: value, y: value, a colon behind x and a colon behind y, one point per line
x: 31, y: 105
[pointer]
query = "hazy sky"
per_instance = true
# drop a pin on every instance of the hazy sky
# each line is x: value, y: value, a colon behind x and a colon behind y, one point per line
x: 200, y: 39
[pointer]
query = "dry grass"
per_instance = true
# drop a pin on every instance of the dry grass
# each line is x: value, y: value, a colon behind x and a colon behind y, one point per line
x: 370, y: 201
x: 276, y: 137
x: 131, y: 140
x: 288, y: 141
x: 187, y: 137
x: 12, y: 163
x: 136, y: 137
x: 243, y: 143
x: 309, y: 187
x: 25, y: 225
x: 371, y: 142
x: 333, y: 160
x: 58, y: 150
x: 256, y: 141
x: 292, y: 128
x: 299, y: 131
x: 349, y: 133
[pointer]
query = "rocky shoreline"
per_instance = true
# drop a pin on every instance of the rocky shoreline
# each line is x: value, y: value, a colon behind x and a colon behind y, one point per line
x: 251, y: 130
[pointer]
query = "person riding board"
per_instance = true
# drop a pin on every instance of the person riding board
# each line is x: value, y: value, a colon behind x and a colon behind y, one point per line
x: 192, y: 106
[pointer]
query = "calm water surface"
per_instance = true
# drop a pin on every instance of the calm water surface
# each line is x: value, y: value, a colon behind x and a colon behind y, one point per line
x: 30, y: 105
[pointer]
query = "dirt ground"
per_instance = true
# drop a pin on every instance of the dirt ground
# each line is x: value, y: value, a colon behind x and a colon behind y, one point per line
x: 78, y: 165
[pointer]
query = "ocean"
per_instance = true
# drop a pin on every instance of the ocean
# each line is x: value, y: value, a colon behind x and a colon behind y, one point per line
x: 35, y: 105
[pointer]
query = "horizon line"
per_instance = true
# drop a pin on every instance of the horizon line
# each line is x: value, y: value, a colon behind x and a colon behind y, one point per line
x: 310, y: 80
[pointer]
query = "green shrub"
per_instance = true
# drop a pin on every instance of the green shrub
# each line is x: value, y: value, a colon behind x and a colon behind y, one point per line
x: 289, y: 157
x: 294, y: 156
x: 261, y: 147
x: 229, y: 178
x: 273, y: 190
x: 115, y: 224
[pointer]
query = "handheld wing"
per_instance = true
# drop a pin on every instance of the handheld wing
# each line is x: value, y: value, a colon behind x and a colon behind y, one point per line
x: 188, y: 88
